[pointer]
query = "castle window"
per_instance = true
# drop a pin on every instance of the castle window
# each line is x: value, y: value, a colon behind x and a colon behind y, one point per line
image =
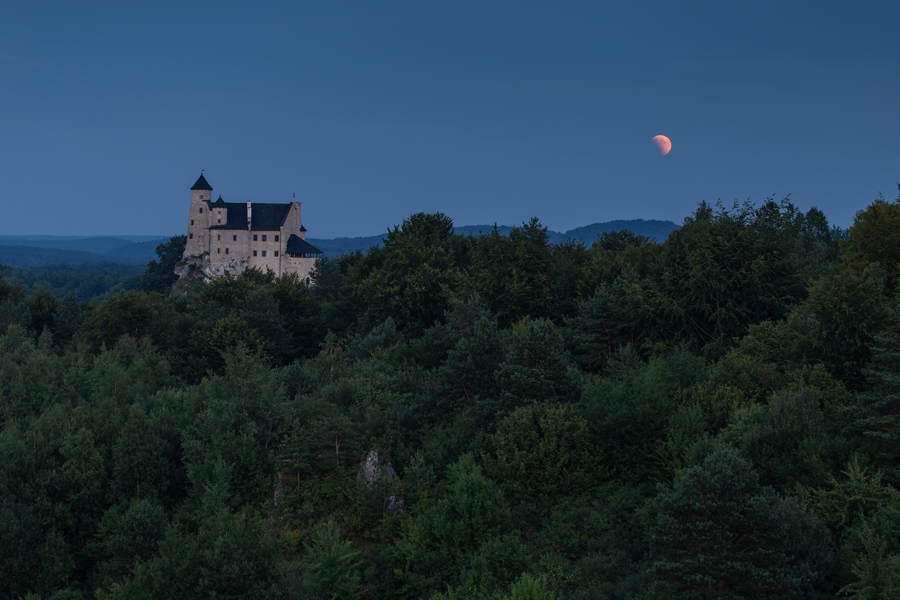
x: 201, y: 209
x: 307, y: 281
x: 276, y: 253
x: 226, y: 250
x: 254, y: 238
x: 264, y: 252
x: 192, y: 221
x: 201, y: 196
x: 254, y: 252
x: 191, y: 236
x: 218, y: 238
x: 234, y: 238
x: 264, y: 237
x: 219, y: 213
x: 276, y: 239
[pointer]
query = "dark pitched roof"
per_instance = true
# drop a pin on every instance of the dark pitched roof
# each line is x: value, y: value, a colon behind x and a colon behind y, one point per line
x: 265, y: 217
x: 218, y: 203
x: 297, y: 246
x: 202, y: 184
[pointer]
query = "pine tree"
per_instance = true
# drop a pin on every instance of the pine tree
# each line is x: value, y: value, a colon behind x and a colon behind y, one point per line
x: 876, y: 418
x: 720, y: 534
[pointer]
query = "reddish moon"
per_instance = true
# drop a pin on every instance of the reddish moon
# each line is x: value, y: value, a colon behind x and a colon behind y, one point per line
x: 664, y: 144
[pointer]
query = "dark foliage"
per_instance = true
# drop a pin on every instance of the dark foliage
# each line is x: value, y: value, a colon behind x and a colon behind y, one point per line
x: 451, y: 416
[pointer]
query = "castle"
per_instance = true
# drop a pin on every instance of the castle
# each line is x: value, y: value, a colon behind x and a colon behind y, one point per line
x: 230, y: 237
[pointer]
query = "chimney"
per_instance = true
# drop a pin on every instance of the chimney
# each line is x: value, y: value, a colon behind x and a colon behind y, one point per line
x: 249, y: 213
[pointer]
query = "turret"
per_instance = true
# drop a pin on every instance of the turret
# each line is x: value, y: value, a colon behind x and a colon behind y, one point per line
x: 201, y: 191
x: 198, y: 223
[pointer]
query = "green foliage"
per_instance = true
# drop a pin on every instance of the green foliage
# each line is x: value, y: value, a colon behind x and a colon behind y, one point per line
x: 332, y: 565
x: 83, y: 281
x: 875, y: 421
x: 414, y: 283
x: 843, y: 314
x: 230, y: 556
x: 528, y: 588
x: 43, y: 306
x: 877, y: 570
x: 67, y: 320
x: 874, y: 238
x: 472, y: 512
x: 139, y: 467
x: 536, y: 367
x: 617, y: 315
x: 547, y: 449
x: 159, y: 276
x: 721, y: 533
x: 128, y: 535
x: 725, y: 270
x: 629, y: 411
x: 475, y: 351
x: 512, y: 273
x: 257, y: 437
x: 788, y: 442
x: 133, y: 314
x: 444, y: 534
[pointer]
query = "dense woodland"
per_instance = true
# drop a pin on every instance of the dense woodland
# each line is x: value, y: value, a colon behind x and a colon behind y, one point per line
x: 458, y: 417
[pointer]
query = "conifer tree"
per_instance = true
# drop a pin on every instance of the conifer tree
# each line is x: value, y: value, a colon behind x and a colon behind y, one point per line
x: 720, y: 534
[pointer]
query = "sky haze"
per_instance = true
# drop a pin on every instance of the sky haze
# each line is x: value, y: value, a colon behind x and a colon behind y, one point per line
x: 487, y: 111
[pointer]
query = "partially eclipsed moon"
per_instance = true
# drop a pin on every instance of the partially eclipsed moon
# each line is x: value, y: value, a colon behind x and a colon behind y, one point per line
x: 664, y: 143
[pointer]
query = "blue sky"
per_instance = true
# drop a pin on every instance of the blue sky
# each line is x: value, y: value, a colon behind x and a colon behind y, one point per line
x: 487, y: 111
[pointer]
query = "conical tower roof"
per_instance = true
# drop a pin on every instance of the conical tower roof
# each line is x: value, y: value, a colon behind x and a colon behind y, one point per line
x: 202, y: 184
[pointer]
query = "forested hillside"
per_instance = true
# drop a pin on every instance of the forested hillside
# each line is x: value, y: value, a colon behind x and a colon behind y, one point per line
x: 457, y: 417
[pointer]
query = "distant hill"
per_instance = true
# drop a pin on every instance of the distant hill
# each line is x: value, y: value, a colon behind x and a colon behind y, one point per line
x: 26, y: 251
x: 145, y: 251
x: 655, y: 230
x: 32, y: 251
x: 96, y: 245
x: 32, y: 256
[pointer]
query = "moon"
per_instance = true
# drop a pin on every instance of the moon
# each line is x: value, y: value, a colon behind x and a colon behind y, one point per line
x: 664, y: 143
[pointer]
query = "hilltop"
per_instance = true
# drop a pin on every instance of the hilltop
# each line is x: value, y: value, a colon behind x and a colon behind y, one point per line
x: 36, y: 250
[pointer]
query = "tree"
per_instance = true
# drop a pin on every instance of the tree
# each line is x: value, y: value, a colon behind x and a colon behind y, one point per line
x: 536, y: 367
x: 875, y: 238
x: 878, y: 571
x: 529, y: 588
x: 332, y: 565
x: 229, y: 556
x: 20, y: 537
x: 415, y: 282
x: 615, y: 316
x: 546, y: 449
x: 512, y: 273
x: 474, y: 353
x: 720, y: 534
x: 140, y: 467
x: 725, y: 270
x: 129, y: 534
x: 133, y: 314
x: 67, y: 319
x: 43, y: 305
x: 841, y: 317
x: 444, y: 534
x: 159, y: 276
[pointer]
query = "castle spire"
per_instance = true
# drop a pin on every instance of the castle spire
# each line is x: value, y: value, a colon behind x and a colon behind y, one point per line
x: 201, y: 184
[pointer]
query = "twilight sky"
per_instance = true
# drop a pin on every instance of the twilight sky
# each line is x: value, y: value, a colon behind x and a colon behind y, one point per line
x: 487, y: 111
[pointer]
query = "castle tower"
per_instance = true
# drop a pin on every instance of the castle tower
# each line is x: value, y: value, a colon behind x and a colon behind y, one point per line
x: 198, y: 224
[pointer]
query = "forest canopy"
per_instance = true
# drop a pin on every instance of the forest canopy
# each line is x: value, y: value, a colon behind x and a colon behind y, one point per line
x: 454, y: 417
